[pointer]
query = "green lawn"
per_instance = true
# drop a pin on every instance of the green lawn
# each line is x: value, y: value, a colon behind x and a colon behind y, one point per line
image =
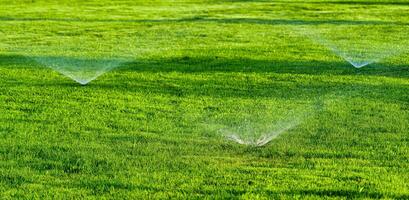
x: 183, y: 75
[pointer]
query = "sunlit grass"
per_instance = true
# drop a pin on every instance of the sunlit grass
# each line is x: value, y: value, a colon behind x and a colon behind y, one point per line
x: 154, y: 126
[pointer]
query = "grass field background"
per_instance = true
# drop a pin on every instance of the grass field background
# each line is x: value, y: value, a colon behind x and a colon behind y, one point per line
x: 149, y: 128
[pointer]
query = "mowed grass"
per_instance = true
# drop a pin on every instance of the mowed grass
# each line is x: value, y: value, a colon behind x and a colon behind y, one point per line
x: 146, y: 128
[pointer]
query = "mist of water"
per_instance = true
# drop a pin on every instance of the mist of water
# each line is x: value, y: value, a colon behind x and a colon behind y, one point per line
x: 78, y: 51
x: 82, y: 71
x: 359, y: 45
x: 268, y: 123
x: 259, y: 122
x: 264, y: 138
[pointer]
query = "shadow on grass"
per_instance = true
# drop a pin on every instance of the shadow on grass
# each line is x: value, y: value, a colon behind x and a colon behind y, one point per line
x: 346, y: 2
x: 202, y: 19
x: 349, y: 194
x: 211, y: 64
x: 357, y: 2
x: 238, y: 78
x: 188, y: 64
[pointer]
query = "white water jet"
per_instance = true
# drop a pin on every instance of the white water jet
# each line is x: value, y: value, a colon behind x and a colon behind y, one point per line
x: 359, y: 64
x: 255, y: 122
x: 264, y: 138
x: 360, y: 45
x: 82, y: 71
x: 79, y: 52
